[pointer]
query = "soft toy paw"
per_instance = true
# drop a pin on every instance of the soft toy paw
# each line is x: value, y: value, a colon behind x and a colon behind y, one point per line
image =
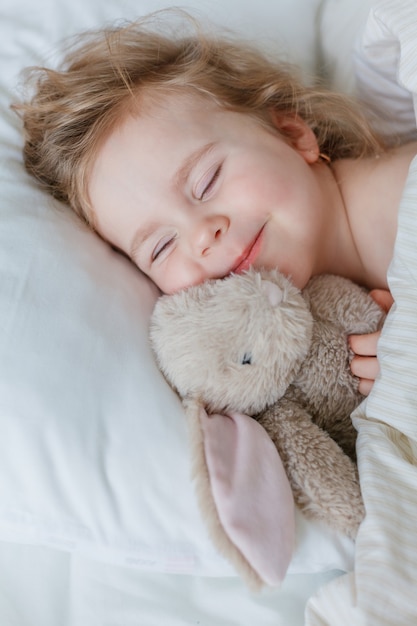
x: 254, y: 345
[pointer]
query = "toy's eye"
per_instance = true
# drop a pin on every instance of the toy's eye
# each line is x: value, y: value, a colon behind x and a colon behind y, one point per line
x: 247, y: 359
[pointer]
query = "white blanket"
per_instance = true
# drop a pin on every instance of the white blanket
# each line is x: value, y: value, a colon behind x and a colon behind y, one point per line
x: 382, y: 589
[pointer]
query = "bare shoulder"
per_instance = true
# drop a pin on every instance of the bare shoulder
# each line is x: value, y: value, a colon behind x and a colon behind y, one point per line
x: 372, y: 189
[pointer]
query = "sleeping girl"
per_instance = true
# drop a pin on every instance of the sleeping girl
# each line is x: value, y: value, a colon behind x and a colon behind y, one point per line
x: 198, y: 156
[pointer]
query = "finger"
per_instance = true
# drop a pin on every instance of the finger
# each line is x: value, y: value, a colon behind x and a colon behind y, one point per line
x: 365, y: 386
x: 365, y: 367
x: 364, y: 345
x: 382, y: 297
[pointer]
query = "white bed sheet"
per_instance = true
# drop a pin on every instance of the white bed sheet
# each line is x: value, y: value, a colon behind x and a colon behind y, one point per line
x: 44, y: 587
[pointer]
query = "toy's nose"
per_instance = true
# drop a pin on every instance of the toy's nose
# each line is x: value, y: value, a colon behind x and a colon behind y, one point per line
x: 272, y: 292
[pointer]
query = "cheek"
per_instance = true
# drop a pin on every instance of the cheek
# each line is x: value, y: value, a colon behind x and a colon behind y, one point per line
x: 269, y: 191
x: 254, y: 187
x: 271, y: 177
x: 166, y: 282
x: 175, y: 275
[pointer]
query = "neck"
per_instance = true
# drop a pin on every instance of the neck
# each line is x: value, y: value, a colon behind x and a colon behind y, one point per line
x: 338, y: 252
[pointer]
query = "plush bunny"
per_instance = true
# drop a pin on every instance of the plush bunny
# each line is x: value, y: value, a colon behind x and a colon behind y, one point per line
x: 254, y: 345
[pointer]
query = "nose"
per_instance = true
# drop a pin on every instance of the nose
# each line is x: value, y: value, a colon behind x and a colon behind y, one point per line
x: 208, y: 232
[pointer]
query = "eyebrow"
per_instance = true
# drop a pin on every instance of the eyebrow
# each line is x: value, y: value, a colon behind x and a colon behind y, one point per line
x: 179, y: 179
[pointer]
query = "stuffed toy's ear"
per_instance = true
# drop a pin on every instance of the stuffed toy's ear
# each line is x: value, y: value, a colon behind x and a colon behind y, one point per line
x: 243, y: 493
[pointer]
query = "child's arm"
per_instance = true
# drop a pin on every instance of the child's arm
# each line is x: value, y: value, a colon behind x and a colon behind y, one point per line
x: 365, y: 364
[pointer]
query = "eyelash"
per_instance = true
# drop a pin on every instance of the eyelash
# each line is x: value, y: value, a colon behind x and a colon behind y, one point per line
x: 211, y: 182
x: 159, y: 251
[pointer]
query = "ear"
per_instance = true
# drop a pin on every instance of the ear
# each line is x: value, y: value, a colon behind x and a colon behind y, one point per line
x: 299, y: 134
x: 243, y: 493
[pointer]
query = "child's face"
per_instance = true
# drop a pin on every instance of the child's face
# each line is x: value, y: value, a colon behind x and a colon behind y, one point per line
x: 190, y: 191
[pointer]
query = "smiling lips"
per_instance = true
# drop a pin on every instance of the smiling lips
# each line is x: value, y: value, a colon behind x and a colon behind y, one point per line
x: 248, y: 257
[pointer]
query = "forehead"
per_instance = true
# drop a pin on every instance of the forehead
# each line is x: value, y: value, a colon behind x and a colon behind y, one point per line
x: 159, y: 121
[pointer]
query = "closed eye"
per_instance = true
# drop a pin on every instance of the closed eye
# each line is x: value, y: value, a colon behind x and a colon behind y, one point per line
x: 162, y: 246
x: 208, y: 184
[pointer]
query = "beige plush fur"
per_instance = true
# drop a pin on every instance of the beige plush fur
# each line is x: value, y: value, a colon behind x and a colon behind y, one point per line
x: 253, y: 343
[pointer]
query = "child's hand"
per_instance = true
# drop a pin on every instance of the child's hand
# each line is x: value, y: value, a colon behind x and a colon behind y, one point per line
x: 365, y: 364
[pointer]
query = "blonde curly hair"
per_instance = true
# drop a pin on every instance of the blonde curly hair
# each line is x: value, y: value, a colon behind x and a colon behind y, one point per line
x: 73, y: 108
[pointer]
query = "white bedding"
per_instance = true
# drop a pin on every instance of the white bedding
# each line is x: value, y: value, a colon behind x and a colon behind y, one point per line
x: 98, y: 520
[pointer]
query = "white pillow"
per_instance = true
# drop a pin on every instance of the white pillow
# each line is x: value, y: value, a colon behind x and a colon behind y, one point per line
x: 93, y: 452
x: 341, y: 23
x: 361, y: 58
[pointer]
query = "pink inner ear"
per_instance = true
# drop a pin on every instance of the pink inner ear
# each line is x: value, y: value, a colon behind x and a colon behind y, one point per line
x: 251, y: 491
